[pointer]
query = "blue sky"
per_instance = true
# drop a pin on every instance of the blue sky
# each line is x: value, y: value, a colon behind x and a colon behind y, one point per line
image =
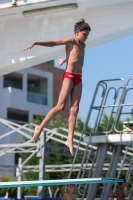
x: 107, y: 61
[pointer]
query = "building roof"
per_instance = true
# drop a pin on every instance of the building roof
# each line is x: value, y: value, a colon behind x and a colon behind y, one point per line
x: 109, y: 20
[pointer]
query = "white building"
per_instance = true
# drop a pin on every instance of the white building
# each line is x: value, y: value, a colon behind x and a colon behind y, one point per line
x: 24, y: 94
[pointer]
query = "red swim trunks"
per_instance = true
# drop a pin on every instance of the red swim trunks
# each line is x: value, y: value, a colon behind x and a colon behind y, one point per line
x: 76, y: 78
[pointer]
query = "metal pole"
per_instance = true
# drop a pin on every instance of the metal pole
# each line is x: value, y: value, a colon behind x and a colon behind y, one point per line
x: 19, y: 174
x: 111, y: 171
x: 102, y: 151
x: 41, y: 191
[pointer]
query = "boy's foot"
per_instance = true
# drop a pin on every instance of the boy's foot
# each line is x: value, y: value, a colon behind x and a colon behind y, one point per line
x: 37, y: 133
x: 70, y: 146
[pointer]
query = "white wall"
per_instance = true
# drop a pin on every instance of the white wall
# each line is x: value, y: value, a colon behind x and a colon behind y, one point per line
x: 17, y: 99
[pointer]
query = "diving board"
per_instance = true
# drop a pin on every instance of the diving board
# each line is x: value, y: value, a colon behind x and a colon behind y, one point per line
x: 57, y: 182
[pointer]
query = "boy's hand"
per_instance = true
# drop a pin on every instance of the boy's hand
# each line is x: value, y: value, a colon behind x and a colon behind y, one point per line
x: 30, y: 46
x: 60, y: 62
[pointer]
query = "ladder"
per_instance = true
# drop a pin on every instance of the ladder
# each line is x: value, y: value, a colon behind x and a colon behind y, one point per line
x: 112, y: 97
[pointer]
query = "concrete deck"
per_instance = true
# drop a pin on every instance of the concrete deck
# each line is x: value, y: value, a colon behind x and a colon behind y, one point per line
x: 123, y: 139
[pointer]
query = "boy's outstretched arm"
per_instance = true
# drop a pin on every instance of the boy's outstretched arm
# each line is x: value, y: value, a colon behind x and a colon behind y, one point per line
x: 51, y: 43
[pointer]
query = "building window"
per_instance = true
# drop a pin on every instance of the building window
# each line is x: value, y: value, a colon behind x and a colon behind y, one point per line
x: 37, y: 89
x: 13, y: 80
x: 16, y: 115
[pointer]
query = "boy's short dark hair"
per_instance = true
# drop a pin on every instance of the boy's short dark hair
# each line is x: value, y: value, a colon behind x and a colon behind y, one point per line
x: 81, y: 26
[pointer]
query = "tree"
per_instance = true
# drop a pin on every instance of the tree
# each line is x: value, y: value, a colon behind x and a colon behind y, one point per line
x: 106, y: 124
x: 52, y: 159
x: 12, y: 192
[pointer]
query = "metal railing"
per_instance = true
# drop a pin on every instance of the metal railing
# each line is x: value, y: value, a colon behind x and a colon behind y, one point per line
x: 116, y: 106
x: 88, y: 153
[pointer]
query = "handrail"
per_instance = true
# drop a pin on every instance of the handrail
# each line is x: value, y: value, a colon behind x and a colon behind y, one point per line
x: 116, y: 110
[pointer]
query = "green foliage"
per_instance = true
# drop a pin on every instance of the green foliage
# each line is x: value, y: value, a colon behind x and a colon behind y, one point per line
x: 79, y: 125
x: 60, y: 159
x: 37, y: 119
x: 106, y: 124
x: 56, y: 159
x: 52, y: 158
x: 60, y: 122
x: 130, y: 118
x: 12, y: 192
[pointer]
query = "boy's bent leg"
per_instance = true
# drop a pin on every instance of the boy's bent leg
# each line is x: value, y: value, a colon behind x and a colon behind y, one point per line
x: 67, y: 86
x: 75, y: 99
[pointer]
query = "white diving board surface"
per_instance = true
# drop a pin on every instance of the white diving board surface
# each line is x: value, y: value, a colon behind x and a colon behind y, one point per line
x: 123, y: 139
x: 58, y: 182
